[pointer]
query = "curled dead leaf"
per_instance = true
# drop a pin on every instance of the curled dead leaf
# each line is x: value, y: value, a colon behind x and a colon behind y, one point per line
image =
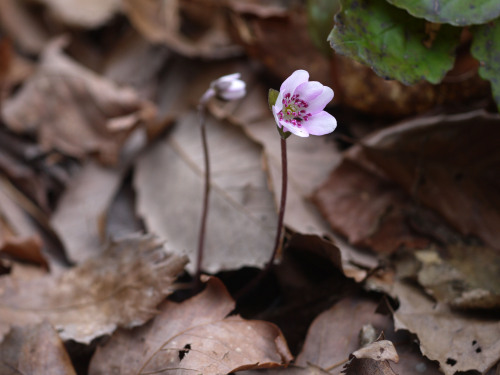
x: 195, y: 336
x: 73, y: 110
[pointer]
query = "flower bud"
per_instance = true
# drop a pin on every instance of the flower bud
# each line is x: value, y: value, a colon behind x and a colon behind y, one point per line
x: 229, y: 87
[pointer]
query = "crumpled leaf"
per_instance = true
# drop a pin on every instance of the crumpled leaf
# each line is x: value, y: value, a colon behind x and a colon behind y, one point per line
x: 88, y: 13
x: 121, y: 288
x: 447, y: 163
x: 34, y: 349
x: 195, y: 336
x: 74, y: 110
x: 458, y: 341
x: 391, y: 42
x: 485, y: 48
x: 162, y: 22
x: 454, y: 12
x: 242, y: 217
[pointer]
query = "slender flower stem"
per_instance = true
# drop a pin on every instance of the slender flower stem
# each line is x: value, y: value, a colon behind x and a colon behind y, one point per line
x: 281, y: 215
x: 279, y: 230
x: 206, y: 192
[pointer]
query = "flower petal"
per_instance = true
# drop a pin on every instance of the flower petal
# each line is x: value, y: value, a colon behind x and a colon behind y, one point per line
x: 320, y: 102
x: 275, y: 113
x: 320, y: 124
x: 301, y: 132
x: 291, y: 83
x: 279, y: 102
x: 308, y: 91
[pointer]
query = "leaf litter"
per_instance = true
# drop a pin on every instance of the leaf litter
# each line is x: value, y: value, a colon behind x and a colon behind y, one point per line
x: 425, y: 221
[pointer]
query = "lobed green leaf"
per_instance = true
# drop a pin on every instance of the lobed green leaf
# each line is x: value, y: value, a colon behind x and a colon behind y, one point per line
x: 395, y: 44
x: 454, y: 12
x: 486, y: 48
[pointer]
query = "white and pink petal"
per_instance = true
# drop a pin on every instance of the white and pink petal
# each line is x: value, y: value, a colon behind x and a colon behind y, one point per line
x: 291, y: 83
x: 320, y: 102
x: 320, y: 123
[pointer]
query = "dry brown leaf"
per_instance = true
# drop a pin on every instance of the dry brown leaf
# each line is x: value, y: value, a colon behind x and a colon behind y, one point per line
x: 22, y: 26
x: 458, y: 341
x: 135, y: 62
x: 88, y: 13
x: 272, y: 40
x: 121, y: 288
x: 368, y: 366
x: 381, y: 350
x: 165, y: 21
x: 447, y: 163
x: 169, y: 184
x: 34, y: 349
x: 369, y: 210
x: 195, y: 336
x: 337, y: 332
x: 89, y: 194
x: 334, y: 334
x: 465, y: 276
x: 74, y: 110
x: 18, y: 235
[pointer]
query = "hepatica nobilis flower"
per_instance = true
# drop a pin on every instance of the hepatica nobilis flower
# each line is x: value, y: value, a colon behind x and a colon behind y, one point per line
x: 299, y: 105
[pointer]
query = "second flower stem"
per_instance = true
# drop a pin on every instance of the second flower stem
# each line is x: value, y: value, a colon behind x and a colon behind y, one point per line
x: 206, y: 192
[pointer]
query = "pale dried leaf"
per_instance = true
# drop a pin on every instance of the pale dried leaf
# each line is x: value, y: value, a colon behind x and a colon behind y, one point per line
x: 71, y: 108
x: 34, y: 349
x: 89, y: 193
x: 160, y: 22
x: 88, y: 13
x: 459, y: 342
x: 194, y: 337
x: 334, y: 334
x: 121, y: 288
x: 382, y: 350
x: 169, y: 184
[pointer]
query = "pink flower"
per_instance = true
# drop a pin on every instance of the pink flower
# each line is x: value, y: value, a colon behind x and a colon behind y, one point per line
x: 299, y: 106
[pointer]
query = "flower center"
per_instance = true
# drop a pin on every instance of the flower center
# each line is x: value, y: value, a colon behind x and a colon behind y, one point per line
x: 294, y: 110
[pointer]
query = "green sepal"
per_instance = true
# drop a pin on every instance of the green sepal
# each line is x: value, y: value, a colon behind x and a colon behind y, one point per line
x: 283, y: 134
x: 272, y: 97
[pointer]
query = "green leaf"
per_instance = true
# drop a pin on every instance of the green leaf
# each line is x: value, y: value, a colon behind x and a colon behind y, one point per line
x: 320, y: 21
x: 454, y: 12
x: 283, y: 134
x: 272, y: 96
x: 486, y: 48
x: 392, y: 42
